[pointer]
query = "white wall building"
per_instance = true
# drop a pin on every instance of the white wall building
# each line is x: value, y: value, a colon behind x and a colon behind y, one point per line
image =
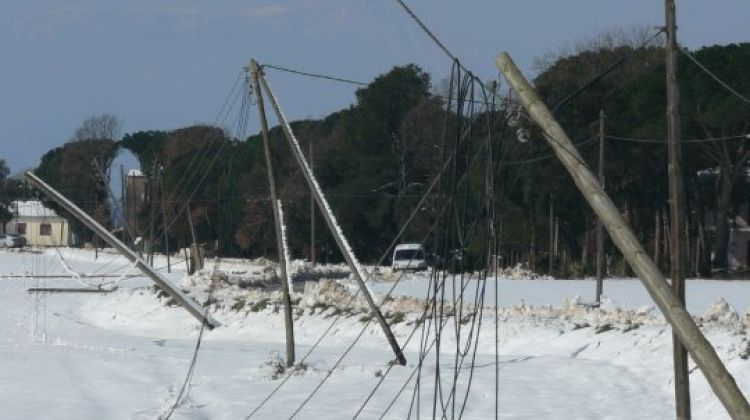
x: 39, y: 224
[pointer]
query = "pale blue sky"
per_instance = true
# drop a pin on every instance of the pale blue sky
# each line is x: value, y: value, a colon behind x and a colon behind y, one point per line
x: 165, y: 64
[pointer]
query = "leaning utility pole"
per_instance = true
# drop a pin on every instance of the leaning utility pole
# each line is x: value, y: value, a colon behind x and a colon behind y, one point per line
x: 599, y: 226
x: 700, y: 349
x: 676, y: 210
x: 280, y: 247
x: 183, y: 300
x: 330, y: 220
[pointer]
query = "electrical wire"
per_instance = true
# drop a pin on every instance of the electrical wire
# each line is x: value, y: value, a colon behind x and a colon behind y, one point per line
x: 664, y: 142
x: 714, y: 76
x: 605, y: 72
x: 191, y: 368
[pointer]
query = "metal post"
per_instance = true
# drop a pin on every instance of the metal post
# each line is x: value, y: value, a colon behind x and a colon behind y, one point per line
x: 189, y: 304
x: 288, y: 320
x: 676, y: 209
x: 599, y: 226
x: 331, y: 222
x: 700, y: 349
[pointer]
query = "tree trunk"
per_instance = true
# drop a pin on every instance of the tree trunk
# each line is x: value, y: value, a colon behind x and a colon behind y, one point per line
x: 721, y: 245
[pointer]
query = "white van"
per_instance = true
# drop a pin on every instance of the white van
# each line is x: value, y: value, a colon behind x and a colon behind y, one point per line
x: 409, y: 257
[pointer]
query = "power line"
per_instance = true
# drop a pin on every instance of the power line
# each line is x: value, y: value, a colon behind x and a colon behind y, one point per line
x: 429, y: 33
x: 540, y: 158
x: 338, y: 79
x: 713, y: 76
x: 664, y: 142
x: 313, y: 75
x: 605, y: 72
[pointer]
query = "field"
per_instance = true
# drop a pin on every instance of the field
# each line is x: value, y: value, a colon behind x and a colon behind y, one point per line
x: 125, y: 354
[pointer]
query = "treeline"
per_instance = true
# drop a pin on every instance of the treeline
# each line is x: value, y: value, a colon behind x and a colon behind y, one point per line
x: 376, y: 158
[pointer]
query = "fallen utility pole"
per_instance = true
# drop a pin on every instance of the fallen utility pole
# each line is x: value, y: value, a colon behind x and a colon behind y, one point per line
x: 676, y: 210
x: 189, y: 304
x: 330, y: 220
x: 599, y: 226
x: 700, y: 349
x: 277, y: 220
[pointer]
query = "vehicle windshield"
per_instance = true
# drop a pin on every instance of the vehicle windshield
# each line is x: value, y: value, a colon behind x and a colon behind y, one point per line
x: 409, y: 254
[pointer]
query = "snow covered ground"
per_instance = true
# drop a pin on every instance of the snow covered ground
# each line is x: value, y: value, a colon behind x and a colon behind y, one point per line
x: 124, y: 355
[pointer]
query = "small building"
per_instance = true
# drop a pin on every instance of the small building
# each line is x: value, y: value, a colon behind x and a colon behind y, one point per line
x: 40, y: 225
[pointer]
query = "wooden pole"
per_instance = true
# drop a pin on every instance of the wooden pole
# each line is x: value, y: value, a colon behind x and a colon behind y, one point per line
x: 551, y: 233
x: 657, y: 239
x: 152, y: 211
x: 704, y: 355
x: 599, y: 225
x: 288, y: 320
x: 676, y: 209
x: 188, y: 303
x: 164, y: 217
x: 312, y: 211
x: 331, y: 222
x: 195, y: 253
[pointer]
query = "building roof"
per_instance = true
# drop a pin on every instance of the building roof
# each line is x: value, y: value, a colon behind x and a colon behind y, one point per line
x: 135, y: 173
x: 31, y: 208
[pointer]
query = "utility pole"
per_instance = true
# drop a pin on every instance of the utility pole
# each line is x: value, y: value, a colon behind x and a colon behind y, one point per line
x: 599, y: 226
x: 551, y: 233
x: 312, y: 211
x: 152, y: 213
x: 676, y: 209
x: 164, y: 216
x: 330, y: 219
x: 255, y: 70
x: 702, y: 352
x: 195, y: 254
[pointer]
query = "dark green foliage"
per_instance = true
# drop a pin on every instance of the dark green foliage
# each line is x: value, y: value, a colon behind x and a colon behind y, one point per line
x: 376, y: 158
x: 69, y: 170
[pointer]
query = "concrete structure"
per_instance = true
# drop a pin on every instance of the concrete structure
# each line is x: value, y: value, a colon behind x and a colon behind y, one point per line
x: 40, y: 225
x: 136, y: 186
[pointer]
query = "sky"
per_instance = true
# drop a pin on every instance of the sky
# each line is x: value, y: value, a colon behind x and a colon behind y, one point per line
x: 168, y: 64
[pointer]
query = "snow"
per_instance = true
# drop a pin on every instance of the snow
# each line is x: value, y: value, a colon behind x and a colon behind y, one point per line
x: 125, y: 354
x: 135, y: 173
x: 31, y: 208
x: 330, y: 218
x: 285, y: 245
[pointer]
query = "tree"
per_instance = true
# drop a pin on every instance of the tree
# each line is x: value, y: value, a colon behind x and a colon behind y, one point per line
x: 70, y: 170
x: 714, y: 112
x: 6, y: 196
x: 99, y: 127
